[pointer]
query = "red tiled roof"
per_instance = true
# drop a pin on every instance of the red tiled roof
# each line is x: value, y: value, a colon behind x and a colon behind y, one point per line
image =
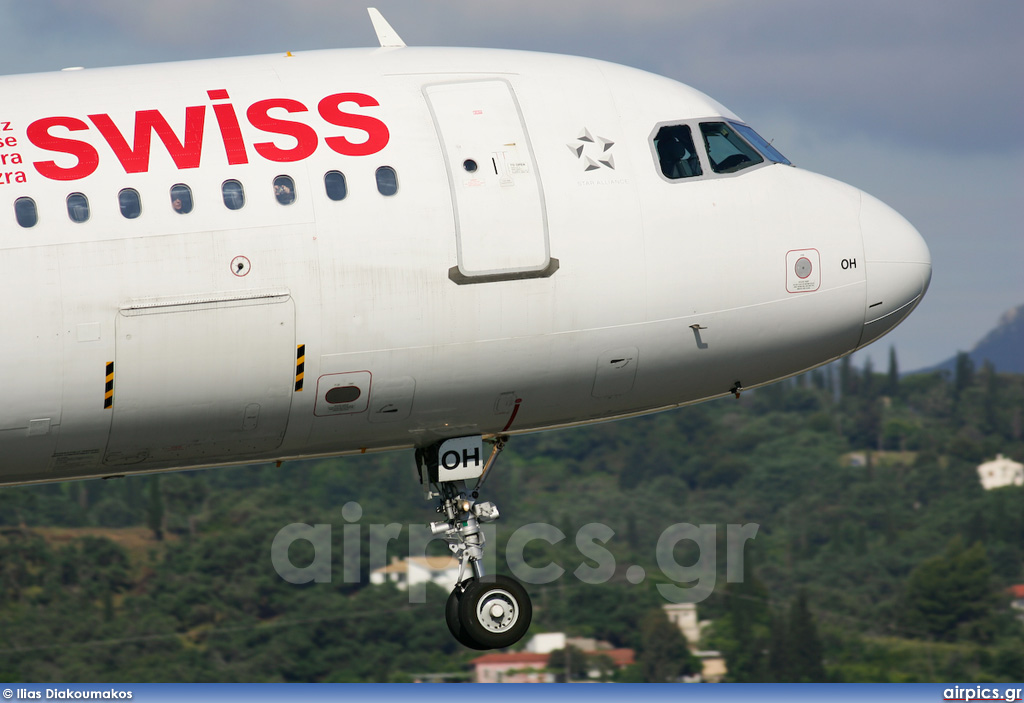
x: 1017, y: 591
x: 512, y: 658
x: 620, y: 657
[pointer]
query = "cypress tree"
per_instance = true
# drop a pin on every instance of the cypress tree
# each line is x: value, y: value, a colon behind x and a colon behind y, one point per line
x: 745, y: 627
x: 664, y: 656
x: 964, y: 374
x: 804, y: 643
x: 893, y: 384
x: 155, y: 509
x: 794, y: 654
x: 780, y: 660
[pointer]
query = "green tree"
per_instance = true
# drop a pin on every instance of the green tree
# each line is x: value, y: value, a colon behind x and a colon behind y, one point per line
x: 570, y: 663
x: 868, y: 386
x: 963, y: 374
x: 780, y: 653
x: 155, y: 509
x: 847, y: 377
x: 664, y: 656
x: 794, y: 654
x: 184, y: 496
x: 742, y: 633
x: 804, y: 643
x: 892, y: 384
x: 951, y: 595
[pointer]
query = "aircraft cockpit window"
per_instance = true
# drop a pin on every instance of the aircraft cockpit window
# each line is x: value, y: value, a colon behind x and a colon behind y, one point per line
x: 284, y: 190
x: 761, y: 144
x: 78, y: 207
x: 181, y: 198
x: 676, y: 153
x: 234, y: 195
x: 130, y: 203
x: 387, y: 180
x: 334, y: 184
x: 26, y: 213
x: 726, y: 149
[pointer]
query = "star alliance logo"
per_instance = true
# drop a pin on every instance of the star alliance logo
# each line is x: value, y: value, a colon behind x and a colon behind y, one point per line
x: 594, y: 152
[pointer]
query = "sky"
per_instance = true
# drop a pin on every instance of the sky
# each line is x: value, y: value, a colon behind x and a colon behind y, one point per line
x: 918, y: 102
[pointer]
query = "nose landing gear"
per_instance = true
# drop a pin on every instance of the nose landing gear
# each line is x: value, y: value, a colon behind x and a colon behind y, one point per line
x: 484, y: 611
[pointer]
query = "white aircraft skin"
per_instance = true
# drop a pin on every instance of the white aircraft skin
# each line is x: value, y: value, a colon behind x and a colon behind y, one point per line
x: 565, y: 281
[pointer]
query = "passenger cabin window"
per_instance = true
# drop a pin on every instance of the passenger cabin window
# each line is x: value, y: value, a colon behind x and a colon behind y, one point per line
x: 759, y: 143
x: 676, y: 153
x: 78, y: 207
x: 334, y: 184
x: 130, y: 203
x: 181, y: 198
x: 234, y: 195
x: 727, y: 151
x: 25, y: 212
x: 387, y: 180
x: 284, y: 190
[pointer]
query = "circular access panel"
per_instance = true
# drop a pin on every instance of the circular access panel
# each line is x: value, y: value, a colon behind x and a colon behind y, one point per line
x: 240, y: 266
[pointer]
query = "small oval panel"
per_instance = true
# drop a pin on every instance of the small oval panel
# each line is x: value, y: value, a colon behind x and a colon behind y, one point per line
x: 345, y: 394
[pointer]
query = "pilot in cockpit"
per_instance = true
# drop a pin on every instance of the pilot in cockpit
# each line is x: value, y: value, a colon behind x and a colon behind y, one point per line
x: 676, y: 153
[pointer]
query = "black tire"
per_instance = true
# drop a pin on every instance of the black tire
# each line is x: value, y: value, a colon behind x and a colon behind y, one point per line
x: 494, y: 611
x: 451, y: 618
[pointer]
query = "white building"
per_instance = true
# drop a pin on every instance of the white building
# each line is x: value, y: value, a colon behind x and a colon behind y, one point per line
x: 1001, y: 472
x: 545, y: 642
x: 548, y: 642
x: 444, y: 571
x: 684, y: 616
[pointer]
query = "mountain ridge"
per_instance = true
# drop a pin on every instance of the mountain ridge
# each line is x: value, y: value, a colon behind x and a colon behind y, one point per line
x: 1002, y: 346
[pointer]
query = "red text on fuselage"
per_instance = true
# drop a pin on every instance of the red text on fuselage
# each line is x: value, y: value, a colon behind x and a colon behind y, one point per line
x: 186, y: 151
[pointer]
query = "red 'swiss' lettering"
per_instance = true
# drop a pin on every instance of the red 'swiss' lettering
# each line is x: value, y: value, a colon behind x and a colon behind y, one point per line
x: 230, y: 132
x: 88, y: 158
x: 295, y: 140
x: 377, y: 134
x: 186, y: 153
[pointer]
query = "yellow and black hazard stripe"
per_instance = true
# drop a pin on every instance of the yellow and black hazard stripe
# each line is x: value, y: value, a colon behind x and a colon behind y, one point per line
x: 108, y: 397
x: 300, y: 367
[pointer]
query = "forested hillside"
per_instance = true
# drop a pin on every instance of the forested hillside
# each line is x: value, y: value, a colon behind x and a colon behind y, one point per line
x: 874, y: 539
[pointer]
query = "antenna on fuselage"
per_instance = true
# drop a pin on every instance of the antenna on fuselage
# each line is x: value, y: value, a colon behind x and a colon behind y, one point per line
x: 386, y: 34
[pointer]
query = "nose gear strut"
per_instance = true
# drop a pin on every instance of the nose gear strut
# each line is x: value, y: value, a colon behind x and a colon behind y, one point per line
x: 483, y: 611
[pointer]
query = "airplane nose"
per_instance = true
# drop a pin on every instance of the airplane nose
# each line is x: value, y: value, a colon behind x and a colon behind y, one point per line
x: 898, y: 267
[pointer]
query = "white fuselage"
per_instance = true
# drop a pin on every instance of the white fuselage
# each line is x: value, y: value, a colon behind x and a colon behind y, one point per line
x: 535, y: 267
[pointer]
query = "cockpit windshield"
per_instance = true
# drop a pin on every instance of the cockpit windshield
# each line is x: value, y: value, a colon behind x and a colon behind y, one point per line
x: 729, y: 147
x: 676, y: 153
x: 759, y: 143
x: 726, y: 149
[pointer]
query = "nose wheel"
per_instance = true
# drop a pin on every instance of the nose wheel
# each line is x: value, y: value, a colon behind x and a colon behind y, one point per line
x: 491, y: 612
x: 484, y: 611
